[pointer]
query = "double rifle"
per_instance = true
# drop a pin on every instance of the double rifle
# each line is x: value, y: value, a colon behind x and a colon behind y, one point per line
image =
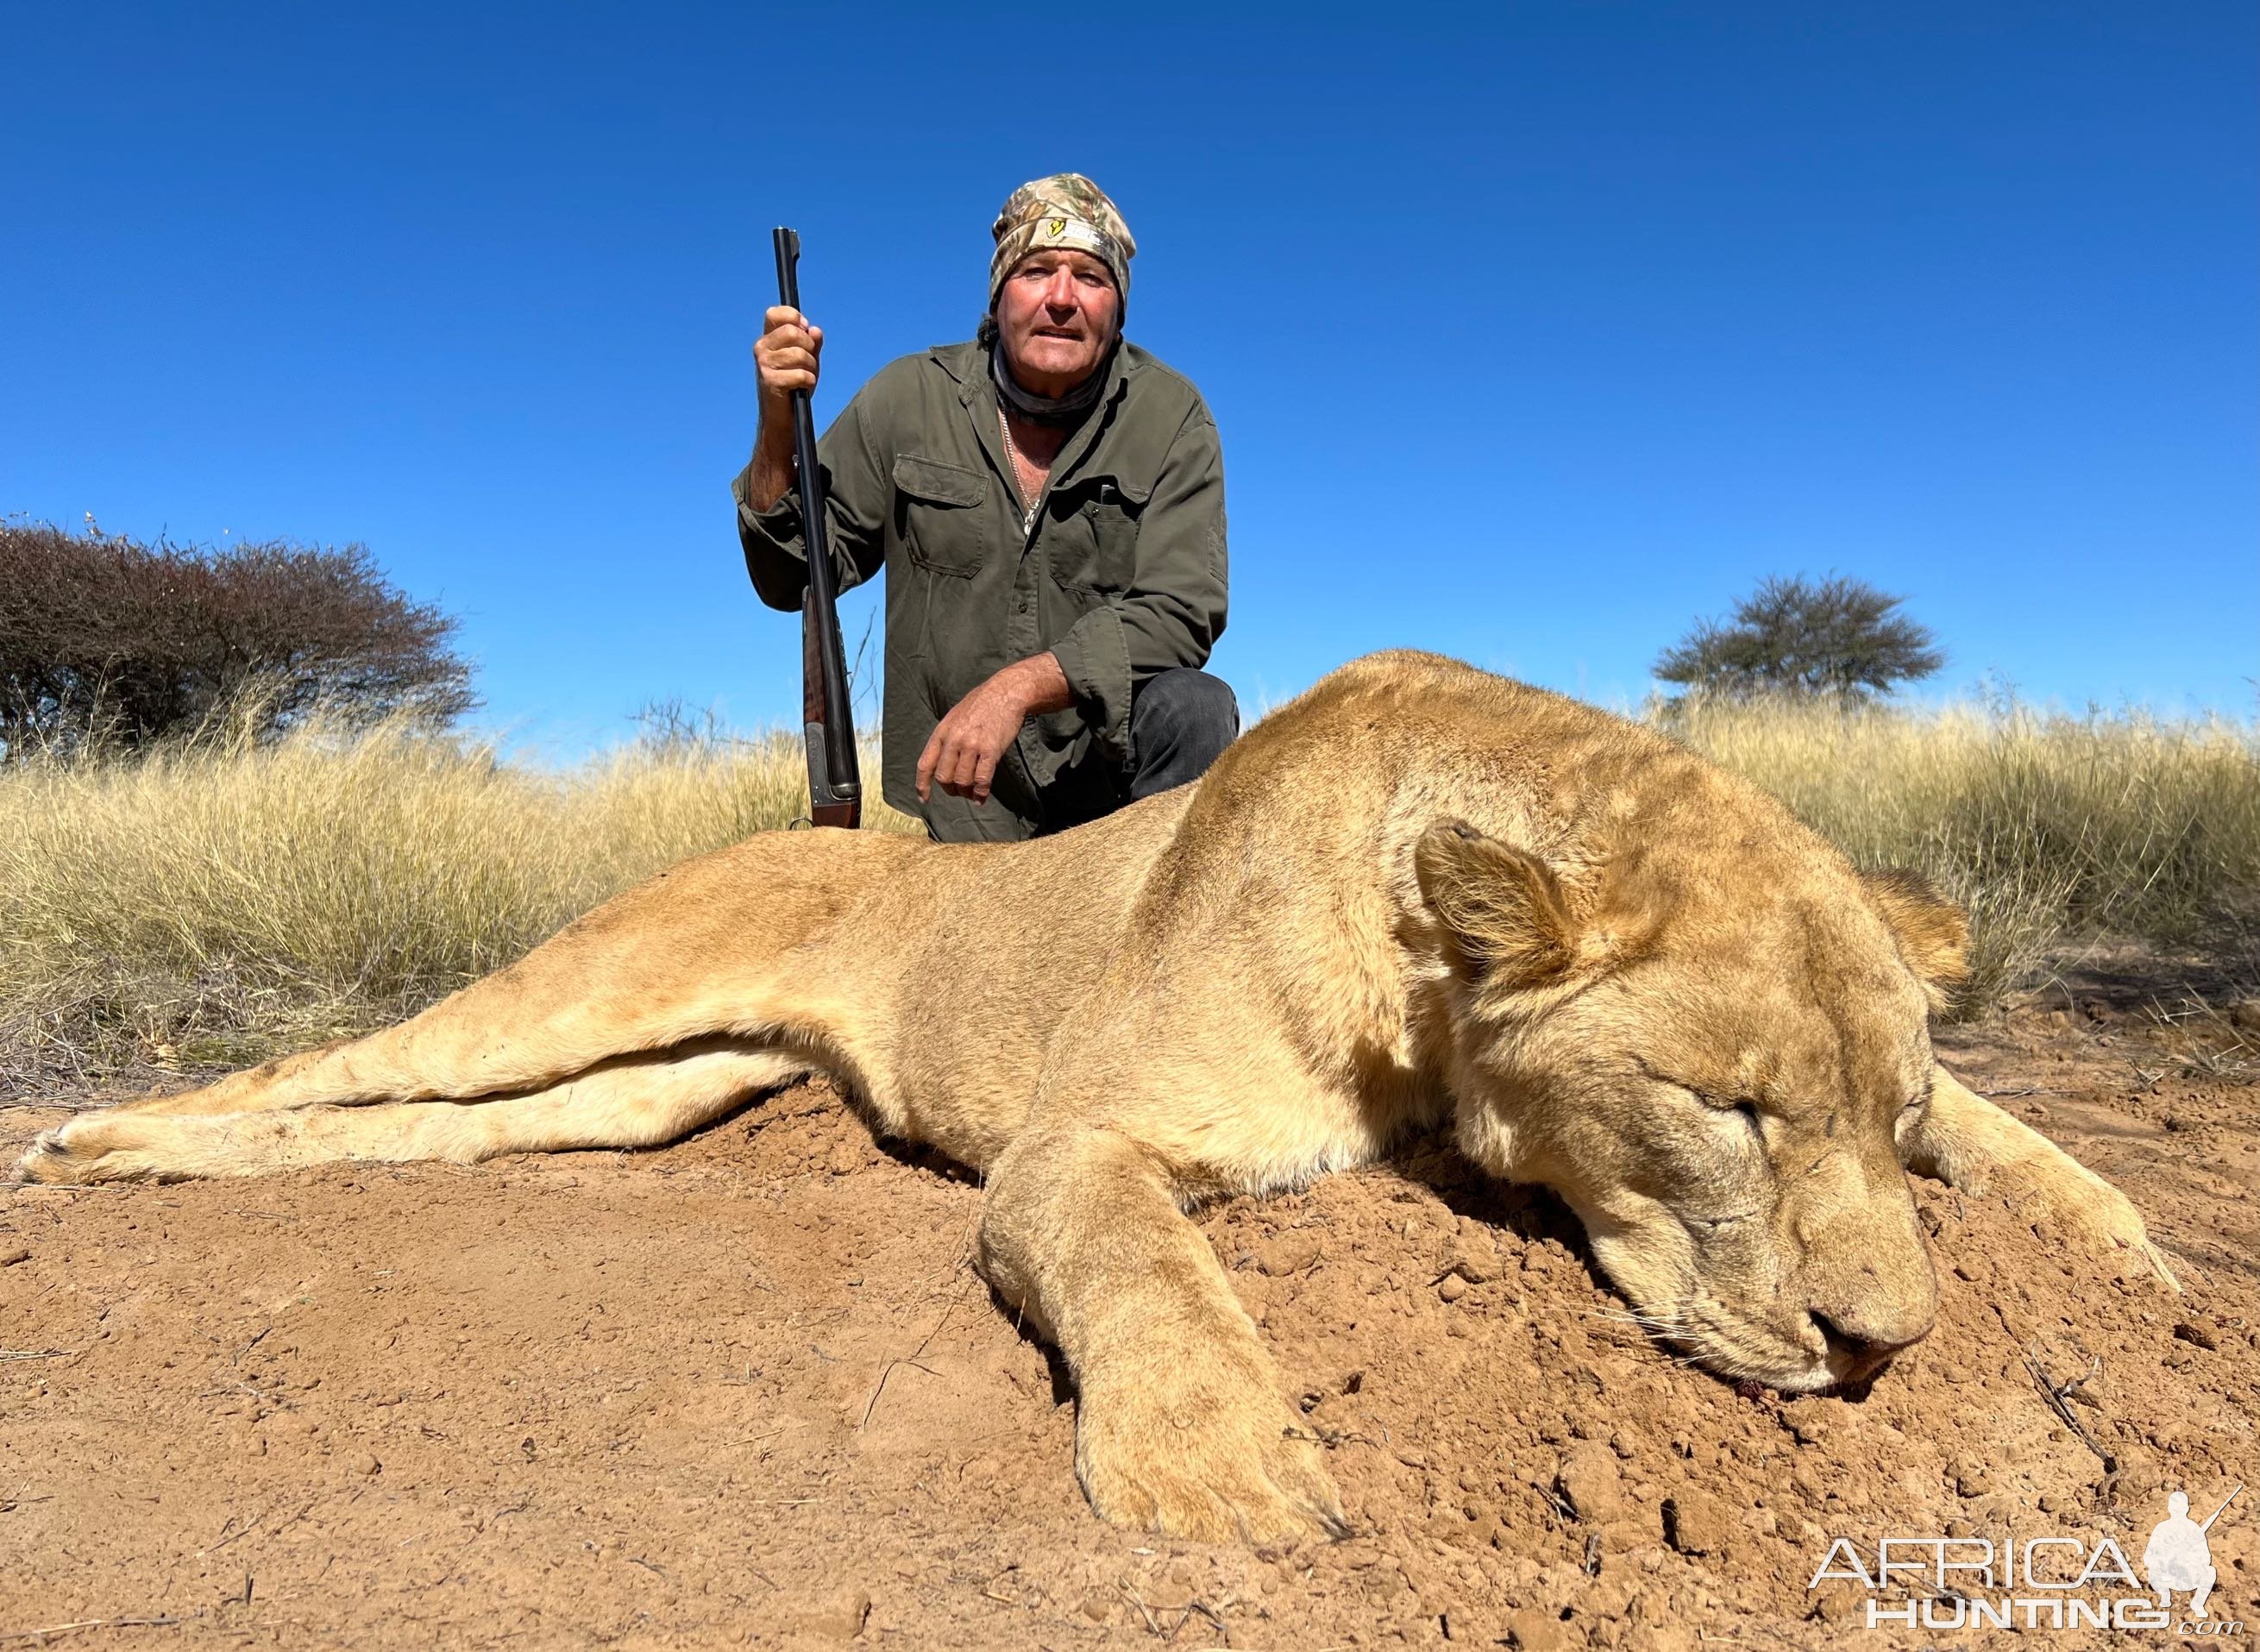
x: 835, y: 789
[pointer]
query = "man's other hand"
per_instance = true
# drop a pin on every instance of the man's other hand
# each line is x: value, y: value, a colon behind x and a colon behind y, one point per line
x: 963, y: 752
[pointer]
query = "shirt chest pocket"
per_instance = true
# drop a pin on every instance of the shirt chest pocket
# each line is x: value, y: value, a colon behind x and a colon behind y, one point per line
x: 1091, y: 540
x: 938, y: 515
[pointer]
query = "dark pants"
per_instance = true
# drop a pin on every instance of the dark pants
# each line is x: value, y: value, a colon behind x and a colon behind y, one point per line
x: 1180, y: 720
x: 1178, y: 724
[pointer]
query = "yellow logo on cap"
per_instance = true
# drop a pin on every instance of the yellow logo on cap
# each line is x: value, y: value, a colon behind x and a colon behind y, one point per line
x: 1057, y: 228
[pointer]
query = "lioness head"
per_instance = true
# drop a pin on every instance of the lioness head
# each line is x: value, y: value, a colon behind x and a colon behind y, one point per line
x: 1713, y: 1058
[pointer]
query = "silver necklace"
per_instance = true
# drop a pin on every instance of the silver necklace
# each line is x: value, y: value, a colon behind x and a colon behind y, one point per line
x: 1030, y: 492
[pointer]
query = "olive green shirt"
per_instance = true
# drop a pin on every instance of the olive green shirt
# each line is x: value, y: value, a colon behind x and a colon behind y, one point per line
x: 1121, y: 576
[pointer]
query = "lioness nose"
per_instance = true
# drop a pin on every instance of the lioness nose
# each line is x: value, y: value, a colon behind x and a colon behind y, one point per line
x: 1861, y: 1345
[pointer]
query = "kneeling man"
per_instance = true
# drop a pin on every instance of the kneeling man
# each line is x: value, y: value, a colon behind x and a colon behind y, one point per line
x: 1047, y: 501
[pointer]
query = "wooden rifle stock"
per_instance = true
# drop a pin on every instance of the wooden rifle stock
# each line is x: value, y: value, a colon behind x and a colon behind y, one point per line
x: 835, y: 789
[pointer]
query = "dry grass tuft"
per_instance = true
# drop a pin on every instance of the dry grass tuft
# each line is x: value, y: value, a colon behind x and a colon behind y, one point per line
x: 208, y: 903
x: 2045, y: 826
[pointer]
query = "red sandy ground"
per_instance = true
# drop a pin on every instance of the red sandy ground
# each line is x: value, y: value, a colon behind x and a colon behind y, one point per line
x: 748, y: 1390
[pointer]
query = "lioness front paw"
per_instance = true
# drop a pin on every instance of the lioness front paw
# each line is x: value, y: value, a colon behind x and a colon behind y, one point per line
x: 2090, y: 1213
x: 1198, y: 1456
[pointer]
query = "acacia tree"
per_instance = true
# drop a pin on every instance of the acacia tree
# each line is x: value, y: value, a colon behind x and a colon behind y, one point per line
x: 1836, y: 637
x: 100, y: 633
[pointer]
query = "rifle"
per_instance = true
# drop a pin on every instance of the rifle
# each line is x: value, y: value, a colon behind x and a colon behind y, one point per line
x: 835, y: 789
x: 2216, y: 1514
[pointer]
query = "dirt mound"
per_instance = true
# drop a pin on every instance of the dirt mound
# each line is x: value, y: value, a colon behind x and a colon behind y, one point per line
x: 748, y: 1390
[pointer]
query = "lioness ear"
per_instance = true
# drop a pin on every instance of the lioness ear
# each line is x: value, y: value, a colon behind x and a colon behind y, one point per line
x: 1502, y: 904
x: 1933, y: 933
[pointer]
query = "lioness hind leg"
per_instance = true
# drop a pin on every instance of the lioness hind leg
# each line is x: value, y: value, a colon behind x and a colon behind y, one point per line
x: 1180, y: 1426
x: 690, y: 953
x: 636, y: 1102
x: 1967, y: 1142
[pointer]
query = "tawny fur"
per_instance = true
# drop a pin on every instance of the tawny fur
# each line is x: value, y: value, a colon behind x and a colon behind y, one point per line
x: 1416, y: 892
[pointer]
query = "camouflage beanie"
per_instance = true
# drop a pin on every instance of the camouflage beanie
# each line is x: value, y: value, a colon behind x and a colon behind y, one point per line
x: 1065, y: 210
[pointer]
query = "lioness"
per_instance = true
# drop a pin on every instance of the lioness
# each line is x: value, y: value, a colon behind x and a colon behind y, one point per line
x: 1418, y: 891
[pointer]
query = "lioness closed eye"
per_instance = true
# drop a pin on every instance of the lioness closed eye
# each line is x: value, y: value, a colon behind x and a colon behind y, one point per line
x: 1416, y: 892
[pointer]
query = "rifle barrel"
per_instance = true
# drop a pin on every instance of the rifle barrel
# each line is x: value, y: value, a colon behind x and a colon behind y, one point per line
x: 2217, y: 1514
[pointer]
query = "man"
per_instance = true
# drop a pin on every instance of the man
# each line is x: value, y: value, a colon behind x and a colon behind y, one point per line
x: 1047, y: 501
x: 2177, y: 1556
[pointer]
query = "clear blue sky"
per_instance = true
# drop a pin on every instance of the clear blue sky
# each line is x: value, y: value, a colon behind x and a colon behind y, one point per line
x: 1533, y: 331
